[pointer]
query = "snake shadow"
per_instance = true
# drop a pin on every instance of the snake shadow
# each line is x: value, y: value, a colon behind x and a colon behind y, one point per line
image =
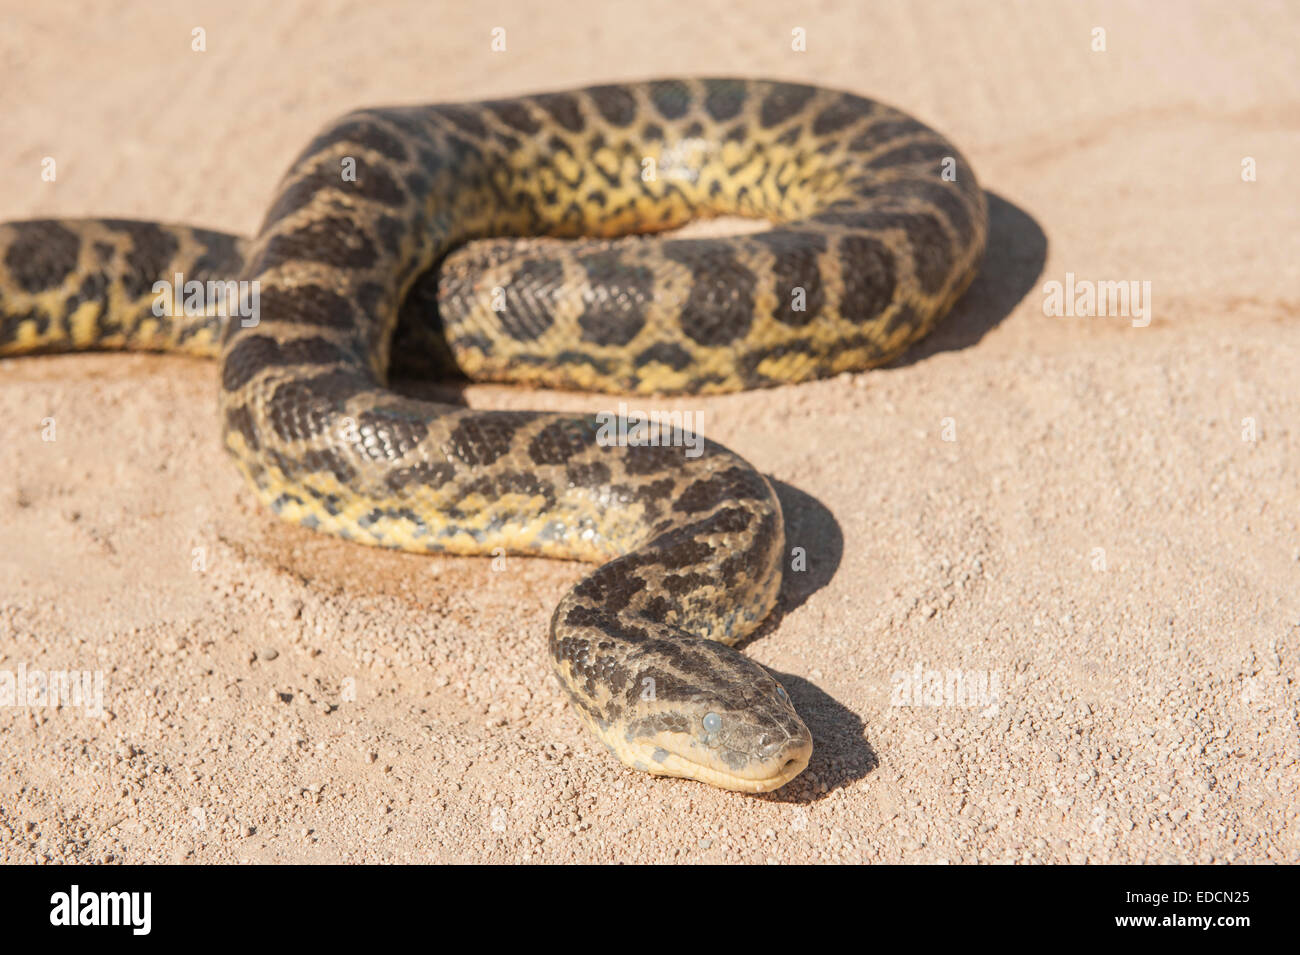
x: 841, y: 752
x: 1013, y: 261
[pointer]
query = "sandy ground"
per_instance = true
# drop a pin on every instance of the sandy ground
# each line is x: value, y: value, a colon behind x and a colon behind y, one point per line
x: 1106, y: 528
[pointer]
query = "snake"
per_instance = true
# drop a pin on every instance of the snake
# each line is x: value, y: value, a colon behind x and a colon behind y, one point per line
x: 520, y: 240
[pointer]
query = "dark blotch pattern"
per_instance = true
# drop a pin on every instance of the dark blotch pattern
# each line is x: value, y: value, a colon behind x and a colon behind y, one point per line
x: 733, y: 484
x: 361, y: 130
x: 329, y: 240
x: 390, y: 231
x: 590, y: 474
x: 374, y: 182
x: 840, y: 114
x: 326, y: 176
x: 11, y: 321
x: 667, y: 353
x: 724, y: 99
x: 93, y: 288
x: 720, y: 307
x: 785, y: 101
x: 620, y: 293
x: 886, y: 131
x: 496, y: 486
x: 645, y: 459
x: 651, y: 726
x: 240, y: 419
x: 480, y: 439
x: 795, y: 266
x: 530, y: 298
x: 869, y: 278
x: 221, y: 258
x: 422, y: 473
x: 904, y: 317
x: 306, y: 407
x: 329, y: 462
x: 149, y: 257
x: 562, y: 440
x: 947, y: 199
x: 390, y: 433
x: 515, y: 114
x: 752, y: 360
x: 464, y: 118
x: 928, y: 242
x: 911, y: 153
x: 253, y: 353
x: 563, y: 108
x: 610, y: 587
x: 308, y: 305
x: 672, y: 98
x: 614, y: 103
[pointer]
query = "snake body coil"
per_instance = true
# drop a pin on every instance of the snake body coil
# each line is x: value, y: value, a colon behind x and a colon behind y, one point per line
x: 387, y: 244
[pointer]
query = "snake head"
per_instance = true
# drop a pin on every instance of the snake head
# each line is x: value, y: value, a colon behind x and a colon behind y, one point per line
x: 707, y: 712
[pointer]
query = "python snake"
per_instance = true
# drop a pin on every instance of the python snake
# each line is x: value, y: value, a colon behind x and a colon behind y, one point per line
x: 504, y: 240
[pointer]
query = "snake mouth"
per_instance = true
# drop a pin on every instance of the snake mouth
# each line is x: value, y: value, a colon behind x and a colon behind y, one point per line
x: 767, y: 776
x: 770, y: 769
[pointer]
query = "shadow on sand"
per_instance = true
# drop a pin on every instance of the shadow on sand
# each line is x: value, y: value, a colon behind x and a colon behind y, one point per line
x: 1017, y: 252
x: 841, y: 753
x: 1013, y: 261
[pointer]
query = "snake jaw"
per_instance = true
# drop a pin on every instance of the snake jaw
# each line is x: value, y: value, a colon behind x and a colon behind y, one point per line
x: 755, y: 747
x: 769, y: 768
x: 674, y: 754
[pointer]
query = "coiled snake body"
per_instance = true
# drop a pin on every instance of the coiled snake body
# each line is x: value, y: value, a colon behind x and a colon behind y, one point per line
x: 387, y: 244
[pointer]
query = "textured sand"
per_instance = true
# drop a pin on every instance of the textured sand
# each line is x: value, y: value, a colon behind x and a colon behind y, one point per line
x: 1099, y: 537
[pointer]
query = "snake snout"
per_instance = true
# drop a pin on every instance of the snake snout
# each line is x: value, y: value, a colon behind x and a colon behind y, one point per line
x: 788, y: 755
x: 769, y: 749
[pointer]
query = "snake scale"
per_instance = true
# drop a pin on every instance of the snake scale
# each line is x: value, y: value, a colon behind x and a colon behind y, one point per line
x: 508, y: 241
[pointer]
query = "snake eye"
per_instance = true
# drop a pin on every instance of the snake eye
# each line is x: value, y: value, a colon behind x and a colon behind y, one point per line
x: 781, y: 694
x: 712, y: 722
